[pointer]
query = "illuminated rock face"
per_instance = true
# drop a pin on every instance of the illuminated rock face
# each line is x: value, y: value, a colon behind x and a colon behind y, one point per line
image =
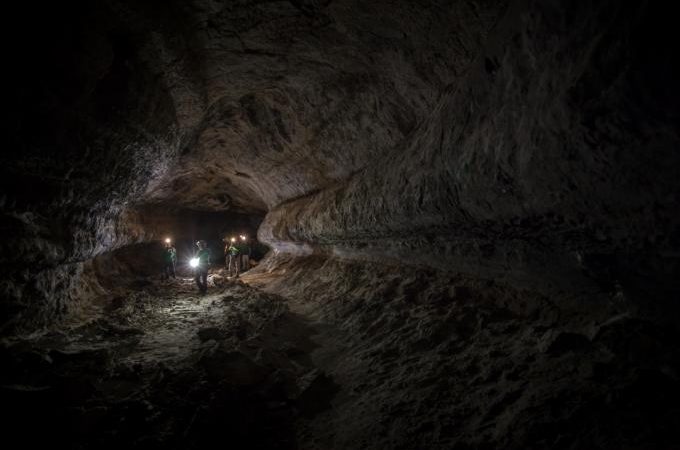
x: 515, y: 140
x: 234, y: 108
x: 418, y: 156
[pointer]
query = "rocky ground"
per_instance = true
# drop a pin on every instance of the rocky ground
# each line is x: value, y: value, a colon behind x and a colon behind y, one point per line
x: 472, y: 207
x: 166, y: 368
x: 348, y: 356
x: 428, y: 359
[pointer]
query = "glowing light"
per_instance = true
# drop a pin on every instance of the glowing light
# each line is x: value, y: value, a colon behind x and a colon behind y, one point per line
x: 193, y: 262
x: 168, y: 240
x: 243, y: 237
x: 233, y: 239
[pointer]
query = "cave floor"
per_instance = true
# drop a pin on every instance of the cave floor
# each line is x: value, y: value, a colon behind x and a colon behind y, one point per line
x: 345, y: 359
x: 167, y: 367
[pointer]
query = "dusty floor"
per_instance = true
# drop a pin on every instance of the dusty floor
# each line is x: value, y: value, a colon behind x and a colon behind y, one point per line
x: 167, y: 368
x: 427, y: 359
x: 346, y: 357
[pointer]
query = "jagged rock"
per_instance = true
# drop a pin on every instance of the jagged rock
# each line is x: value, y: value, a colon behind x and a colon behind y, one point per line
x: 568, y: 342
x: 317, y: 390
x: 205, y: 334
x: 232, y: 368
x: 469, y: 208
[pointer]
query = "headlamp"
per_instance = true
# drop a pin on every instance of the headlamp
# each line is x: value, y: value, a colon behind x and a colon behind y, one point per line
x: 193, y: 262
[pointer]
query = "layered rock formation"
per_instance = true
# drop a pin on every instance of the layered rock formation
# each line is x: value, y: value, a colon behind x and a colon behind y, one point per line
x: 222, y: 107
x: 432, y: 177
x: 544, y: 146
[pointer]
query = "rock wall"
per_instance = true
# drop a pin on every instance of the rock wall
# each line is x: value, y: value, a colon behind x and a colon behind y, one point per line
x: 204, y: 106
x: 91, y: 127
x: 476, y: 203
x: 522, y: 140
x: 557, y: 148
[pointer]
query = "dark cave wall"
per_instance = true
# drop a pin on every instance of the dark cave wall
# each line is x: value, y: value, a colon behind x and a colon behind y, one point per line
x: 474, y: 222
x: 558, y: 148
x: 522, y: 140
x: 161, y: 221
x: 300, y: 95
x: 92, y: 127
x: 472, y: 204
x: 223, y: 107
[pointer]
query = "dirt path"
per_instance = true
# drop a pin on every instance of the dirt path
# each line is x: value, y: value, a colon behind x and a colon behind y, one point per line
x: 349, y: 358
x: 166, y: 367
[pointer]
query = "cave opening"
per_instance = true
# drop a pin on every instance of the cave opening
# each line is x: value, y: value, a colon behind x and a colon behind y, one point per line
x: 182, y: 228
x: 462, y: 225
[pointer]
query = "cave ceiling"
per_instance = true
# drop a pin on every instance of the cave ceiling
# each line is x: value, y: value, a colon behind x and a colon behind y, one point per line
x: 272, y: 100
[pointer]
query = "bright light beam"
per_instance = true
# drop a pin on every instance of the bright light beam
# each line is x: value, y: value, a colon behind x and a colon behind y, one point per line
x: 193, y: 262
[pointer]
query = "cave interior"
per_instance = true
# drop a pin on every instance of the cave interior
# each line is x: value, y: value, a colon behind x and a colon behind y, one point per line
x: 465, y: 223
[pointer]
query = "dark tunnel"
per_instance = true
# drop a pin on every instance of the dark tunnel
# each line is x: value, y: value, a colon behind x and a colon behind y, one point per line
x: 455, y: 224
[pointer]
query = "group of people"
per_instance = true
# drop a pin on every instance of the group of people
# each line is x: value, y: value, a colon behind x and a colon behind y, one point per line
x: 238, y: 255
x: 237, y: 251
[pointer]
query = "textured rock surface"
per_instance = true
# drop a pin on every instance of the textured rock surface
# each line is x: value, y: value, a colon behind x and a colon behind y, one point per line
x: 545, y: 146
x: 426, y: 358
x: 208, y: 106
x: 474, y: 202
x: 160, y: 369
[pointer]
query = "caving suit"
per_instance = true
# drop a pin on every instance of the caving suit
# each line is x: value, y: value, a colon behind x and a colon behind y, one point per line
x: 169, y: 261
x: 233, y: 260
x: 245, y: 256
x: 201, y: 277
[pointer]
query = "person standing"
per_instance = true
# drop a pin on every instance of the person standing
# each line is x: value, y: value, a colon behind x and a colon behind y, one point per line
x: 226, y: 252
x: 169, y: 261
x: 245, y: 253
x: 203, y: 257
x: 233, y: 259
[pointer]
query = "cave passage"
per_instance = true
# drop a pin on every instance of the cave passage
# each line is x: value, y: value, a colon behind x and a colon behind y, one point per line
x: 462, y: 218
